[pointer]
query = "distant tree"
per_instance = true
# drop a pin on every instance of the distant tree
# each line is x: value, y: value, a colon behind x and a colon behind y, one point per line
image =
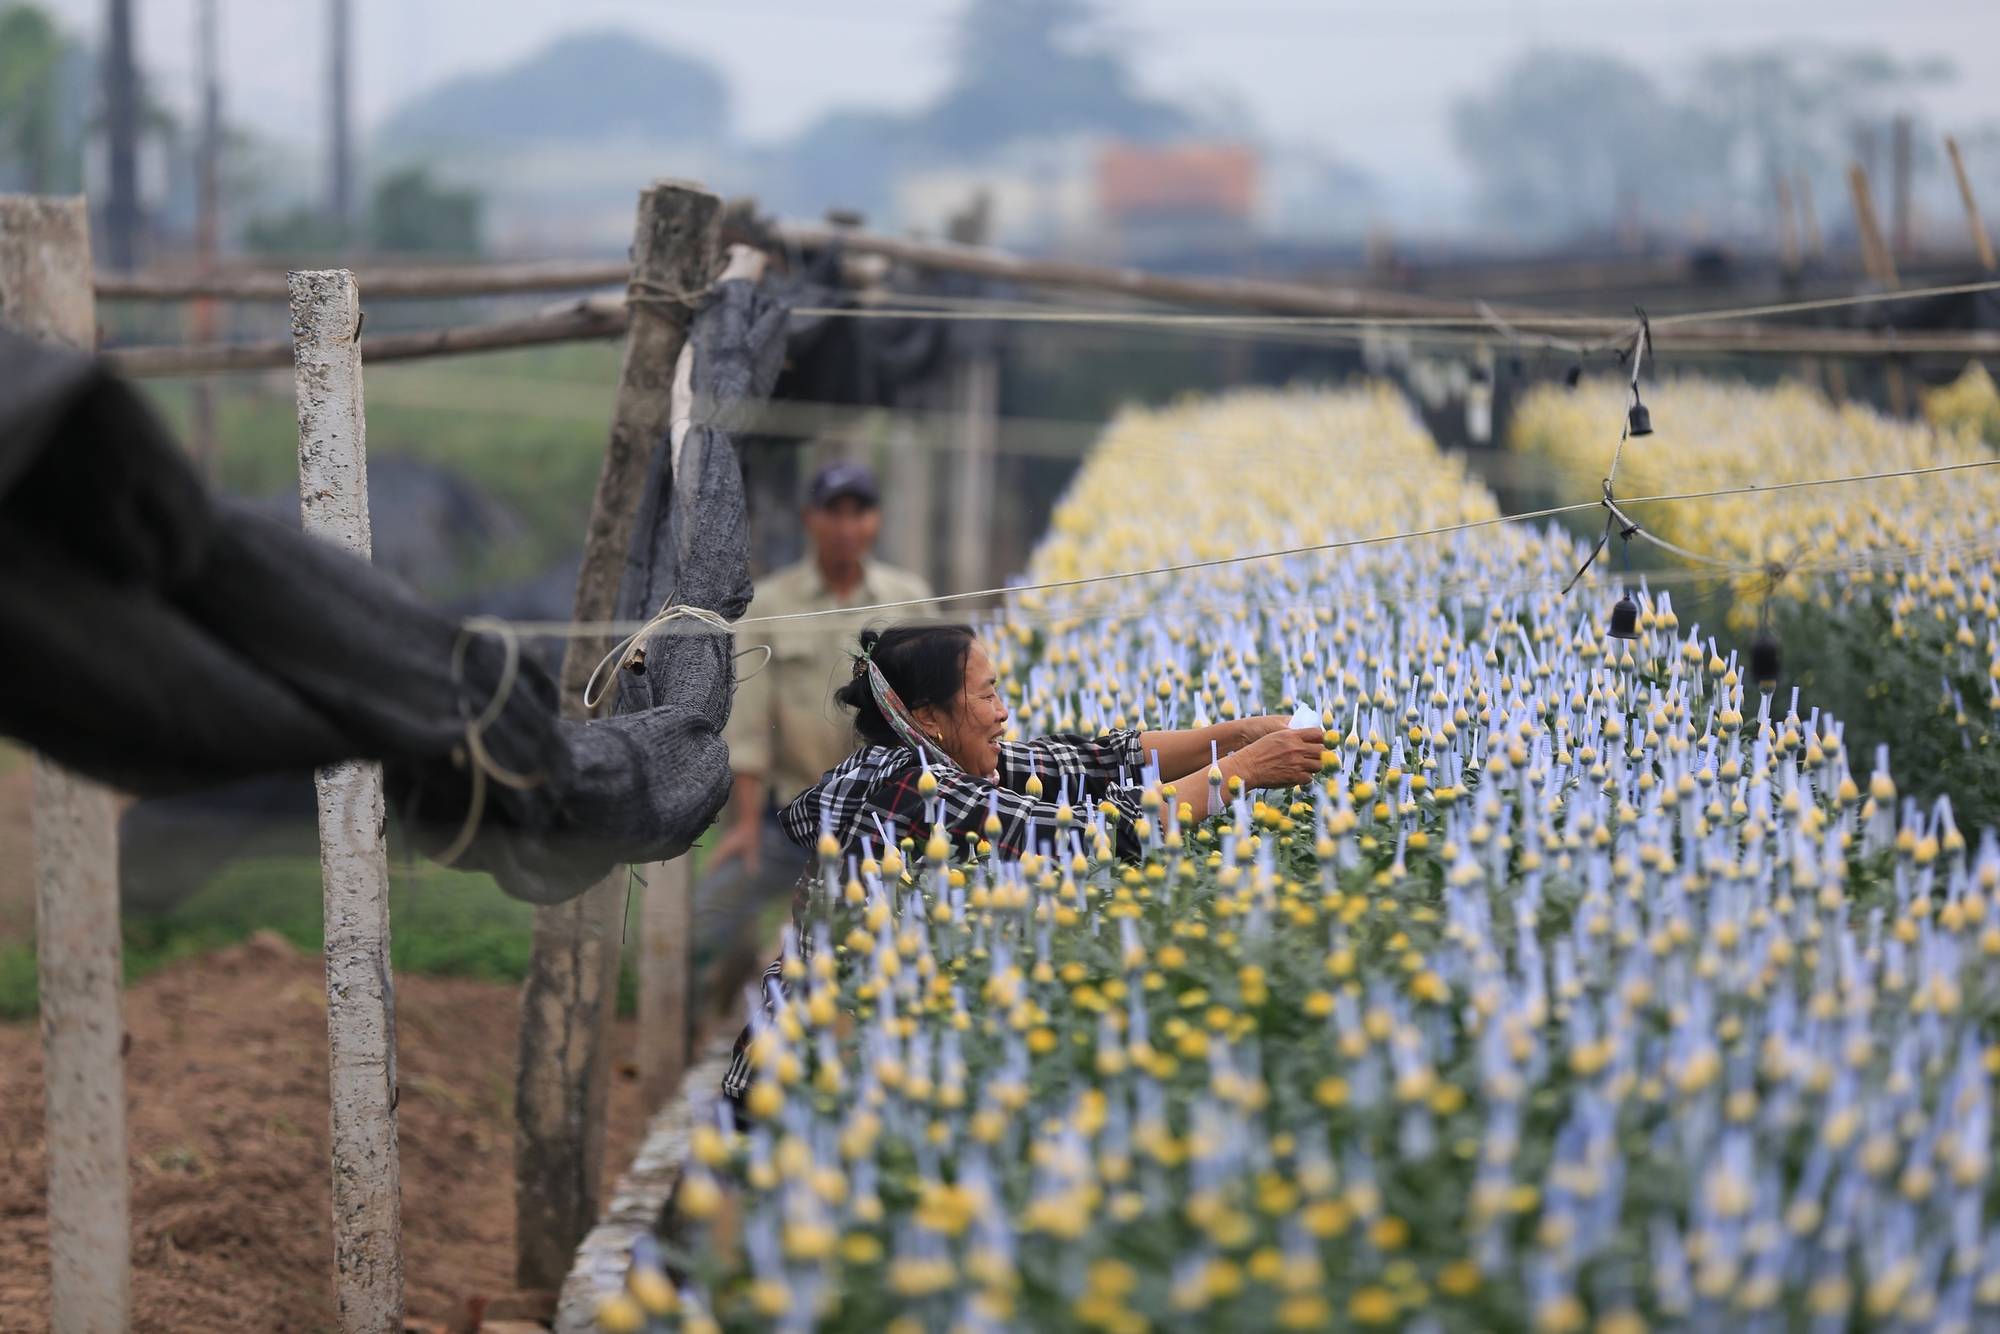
x: 590, y: 86
x: 412, y: 215
x: 1783, y: 108
x: 1566, y: 142
x: 845, y: 159
x: 304, y: 232
x: 38, y: 152
x: 1033, y: 68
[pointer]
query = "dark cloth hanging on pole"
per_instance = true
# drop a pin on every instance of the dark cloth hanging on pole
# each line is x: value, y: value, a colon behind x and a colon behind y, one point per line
x: 164, y: 640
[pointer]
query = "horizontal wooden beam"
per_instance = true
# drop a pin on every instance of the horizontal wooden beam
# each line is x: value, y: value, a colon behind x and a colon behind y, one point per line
x: 587, y: 322
x: 436, y: 280
x: 1278, y: 298
x: 594, y: 320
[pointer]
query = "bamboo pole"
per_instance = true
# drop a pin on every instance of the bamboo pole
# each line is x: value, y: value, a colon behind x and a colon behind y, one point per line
x: 1874, y: 250
x: 354, y: 855
x: 45, y: 291
x: 580, y: 324
x: 561, y: 1078
x: 1788, y: 230
x: 1980, y: 241
x: 1247, y: 293
x: 430, y: 280
x: 1809, y: 217
x: 1901, y: 206
x: 975, y: 397
x: 589, y: 323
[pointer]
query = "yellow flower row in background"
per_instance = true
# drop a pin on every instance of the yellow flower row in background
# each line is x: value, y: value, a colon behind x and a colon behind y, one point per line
x: 1254, y: 470
x: 1717, y: 435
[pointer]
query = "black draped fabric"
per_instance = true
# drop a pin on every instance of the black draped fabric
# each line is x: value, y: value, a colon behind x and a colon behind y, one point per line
x: 163, y: 640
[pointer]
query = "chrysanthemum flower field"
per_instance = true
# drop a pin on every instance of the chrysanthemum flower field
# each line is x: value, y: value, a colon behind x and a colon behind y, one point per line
x: 1592, y: 988
x: 1885, y: 601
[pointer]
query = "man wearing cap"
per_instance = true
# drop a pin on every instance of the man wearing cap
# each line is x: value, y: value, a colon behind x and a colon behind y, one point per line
x: 785, y: 730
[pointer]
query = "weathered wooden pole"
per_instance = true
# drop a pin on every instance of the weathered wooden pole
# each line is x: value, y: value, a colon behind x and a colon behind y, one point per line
x: 1788, y: 227
x: 665, y: 927
x: 908, y: 515
x: 1981, y: 242
x: 975, y: 402
x: 45, y: 291
x: 1874, y: 250
x: 353, y: 849
x: 562, y: 1076
x: 1815, y: 240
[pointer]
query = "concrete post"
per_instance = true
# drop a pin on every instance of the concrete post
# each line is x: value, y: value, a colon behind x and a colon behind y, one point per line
x: 353, y: 848
x: 45, y: 290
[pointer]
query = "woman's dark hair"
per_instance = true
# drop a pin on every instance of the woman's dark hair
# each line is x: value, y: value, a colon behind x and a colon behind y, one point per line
x: 924, y: 664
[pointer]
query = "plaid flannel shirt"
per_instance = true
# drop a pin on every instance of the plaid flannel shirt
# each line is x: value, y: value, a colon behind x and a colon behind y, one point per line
x: 875, y: 789
x: 879, y: 783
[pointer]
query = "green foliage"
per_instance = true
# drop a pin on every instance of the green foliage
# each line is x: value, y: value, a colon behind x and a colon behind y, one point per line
x: 442, y: 923
x: 1895, y: 689
x: 37, y: 153
x: 526, y: 427
x: 413, y: 215
x: 304, y: 232
x: 17, y: 979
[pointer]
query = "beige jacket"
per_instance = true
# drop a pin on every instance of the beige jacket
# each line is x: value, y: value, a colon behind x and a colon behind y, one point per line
x: 785, y: 728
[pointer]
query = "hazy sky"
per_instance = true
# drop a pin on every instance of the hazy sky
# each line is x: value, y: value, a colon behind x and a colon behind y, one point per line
x: 1373, y: 80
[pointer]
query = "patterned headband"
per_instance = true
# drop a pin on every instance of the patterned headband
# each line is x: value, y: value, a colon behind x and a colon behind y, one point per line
x: 901, y: 721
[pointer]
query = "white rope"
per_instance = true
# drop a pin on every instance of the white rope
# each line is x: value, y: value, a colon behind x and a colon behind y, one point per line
x: 626, y: 647
x: 482, y: 763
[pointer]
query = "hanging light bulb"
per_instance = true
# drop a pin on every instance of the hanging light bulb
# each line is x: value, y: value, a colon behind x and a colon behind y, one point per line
x: 1625, y: 619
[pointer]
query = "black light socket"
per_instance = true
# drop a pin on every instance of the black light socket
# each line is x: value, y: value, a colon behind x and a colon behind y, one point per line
x: 1639, y: 420
x: 1764, y: 659
x: 1572, y: 375
x: 1625, y: 619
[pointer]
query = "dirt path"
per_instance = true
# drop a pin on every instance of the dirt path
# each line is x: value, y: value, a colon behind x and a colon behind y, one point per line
x: 227, y: 1088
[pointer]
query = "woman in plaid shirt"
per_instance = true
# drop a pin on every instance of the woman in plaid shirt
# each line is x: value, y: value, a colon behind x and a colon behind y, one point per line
x: 926, y: 699
x: 927, y: 696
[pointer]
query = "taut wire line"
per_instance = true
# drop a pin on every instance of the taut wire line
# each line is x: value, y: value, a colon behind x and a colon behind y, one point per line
x: 1616, y: 329
x: 566, y: 629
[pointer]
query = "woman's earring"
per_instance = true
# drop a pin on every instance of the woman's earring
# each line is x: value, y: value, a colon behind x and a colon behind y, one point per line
x: 938, y: 736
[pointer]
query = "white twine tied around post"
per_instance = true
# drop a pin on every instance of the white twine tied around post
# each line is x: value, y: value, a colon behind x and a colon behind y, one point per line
x: 631, y: 647
x: 483, y: 764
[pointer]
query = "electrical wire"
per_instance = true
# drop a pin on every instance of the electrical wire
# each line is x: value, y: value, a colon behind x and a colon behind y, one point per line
x: 571, y: 629
x: 1617, y: 329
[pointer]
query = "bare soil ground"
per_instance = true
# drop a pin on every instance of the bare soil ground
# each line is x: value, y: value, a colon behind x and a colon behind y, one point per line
x: 227, y: 1089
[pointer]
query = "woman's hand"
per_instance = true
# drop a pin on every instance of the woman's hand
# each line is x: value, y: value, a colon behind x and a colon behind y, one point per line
x: 1280, y: 757
x: 1252, y: 730
x: 1185, y: 755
